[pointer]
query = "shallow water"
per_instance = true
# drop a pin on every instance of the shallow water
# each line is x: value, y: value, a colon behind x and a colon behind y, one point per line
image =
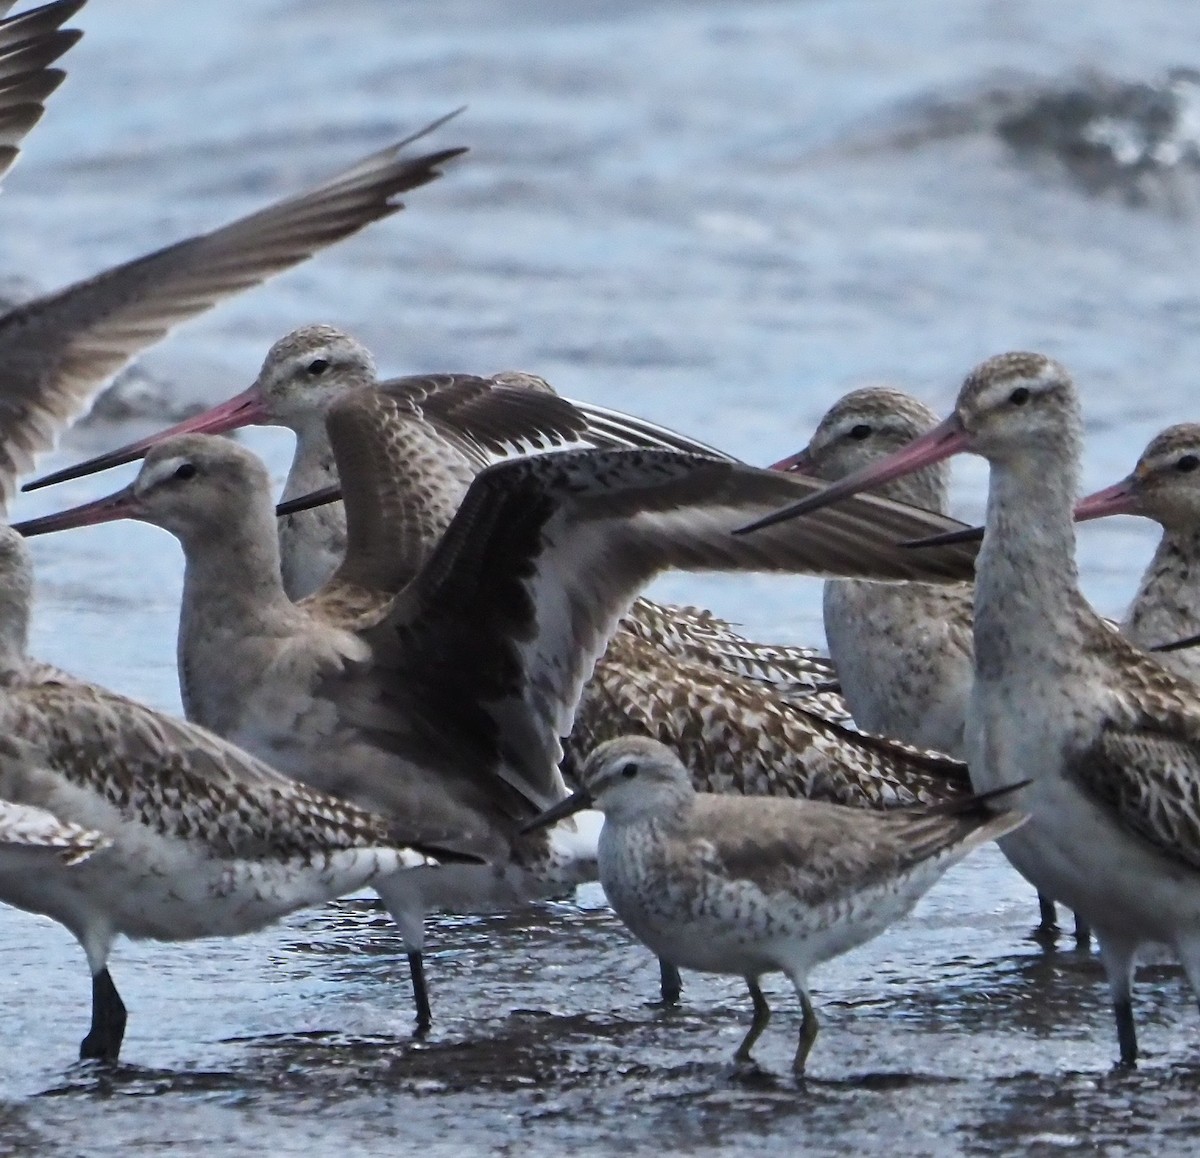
x: 718, y: 216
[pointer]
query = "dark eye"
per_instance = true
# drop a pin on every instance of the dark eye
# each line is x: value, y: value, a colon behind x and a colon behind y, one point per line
x: 1188, y: 462
x: 859, y: 432
x: 1019, y: 396
x: 317, y: 367
x: 630, y: 770
x: 185, y: 471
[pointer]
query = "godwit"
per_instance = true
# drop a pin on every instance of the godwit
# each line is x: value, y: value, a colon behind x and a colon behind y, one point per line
x: 57, y: 350
x: 1109, y: 737
x: 30, y: 42
x: 453, y: 697
x: 1164, y: 486
x: 919, y: 634
x: 745, y: 885
x: 454, y: 425
x: 170, y: 833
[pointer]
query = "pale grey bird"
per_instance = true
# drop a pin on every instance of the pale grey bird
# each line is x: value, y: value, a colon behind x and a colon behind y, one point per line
x: 1108, y: 737
x: 903, y: 652
x: 156, y: 828
x: 754, y: 885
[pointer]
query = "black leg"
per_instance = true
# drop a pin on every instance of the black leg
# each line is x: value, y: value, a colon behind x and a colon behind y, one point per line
x: 1047, y: 929
x: 1126, y: 1033
x: 669, y: 982
x: 1083, y: 934
x: 809, y: 1028
x: 762, y: 1014
x: 103, y: 1041
x: 416, y: 965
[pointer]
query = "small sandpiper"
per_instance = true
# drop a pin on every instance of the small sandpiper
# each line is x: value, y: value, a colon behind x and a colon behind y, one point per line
x: 752, y: 885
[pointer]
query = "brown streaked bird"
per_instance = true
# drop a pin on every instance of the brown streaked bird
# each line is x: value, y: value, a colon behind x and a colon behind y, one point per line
x: 30, y: 43
x: 903, y: 652
x: 57, y: 350
x: 151, y: 827
x: 1164, y: 486
x: 744, y: 885
x: 1107, y: 736
x: 307, y: 370
x: 454, y: 702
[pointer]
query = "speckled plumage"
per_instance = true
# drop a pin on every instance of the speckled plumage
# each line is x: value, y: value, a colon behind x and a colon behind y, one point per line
x: 1164, y: 486
x: 190, y: 836
x: 736, y: 737
x: 1107, y: 736
x: 902, y: 652
x: 28, y: 835
x: 748, y: 886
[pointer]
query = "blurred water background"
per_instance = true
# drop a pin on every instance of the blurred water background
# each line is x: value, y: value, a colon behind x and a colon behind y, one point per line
x: 720, y: 216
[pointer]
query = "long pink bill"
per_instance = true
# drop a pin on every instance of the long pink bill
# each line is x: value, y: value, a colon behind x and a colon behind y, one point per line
x: 944, y: 440
x: 245, y: 409
x: 121, y: 505
x: 1118, y: 499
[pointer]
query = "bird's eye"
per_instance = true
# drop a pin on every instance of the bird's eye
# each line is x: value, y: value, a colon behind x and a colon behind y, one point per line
x: 1019, y: 396
x: 185, y: 471
x: 630, y: 770
x: 317, y: 367
x: 1188, y: 462
x: 859, y: 432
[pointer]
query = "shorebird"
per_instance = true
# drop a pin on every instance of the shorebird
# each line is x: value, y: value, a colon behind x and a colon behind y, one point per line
x: 448, y: 434
x: 746, y: 885
x: 916, y: 635
x: 474, y: 669
x: 1164, y: 486
x: 1108, y: 736
x: 30, y: 43
x: 160, y: 829
x: 57, y: 350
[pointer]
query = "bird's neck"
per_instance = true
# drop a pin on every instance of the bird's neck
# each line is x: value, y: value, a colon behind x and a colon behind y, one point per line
x: 231, y: 570
x: 313, y: 466
x: 1027, y: 600
x: 1167, y: 604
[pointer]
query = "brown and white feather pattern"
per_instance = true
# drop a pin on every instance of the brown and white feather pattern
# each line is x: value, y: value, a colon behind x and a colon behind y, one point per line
x: 1144, y: 763
x: 25, y: 829
x: 171, y: 777
x: 736, y: 736
x: 522, y: 593
x: 57, y: 350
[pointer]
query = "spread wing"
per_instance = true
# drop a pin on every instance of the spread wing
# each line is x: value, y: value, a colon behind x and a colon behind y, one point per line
x: 56, y: 351
x: 29, y: 43
x: 506, y: 620
x: 407, y: 450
